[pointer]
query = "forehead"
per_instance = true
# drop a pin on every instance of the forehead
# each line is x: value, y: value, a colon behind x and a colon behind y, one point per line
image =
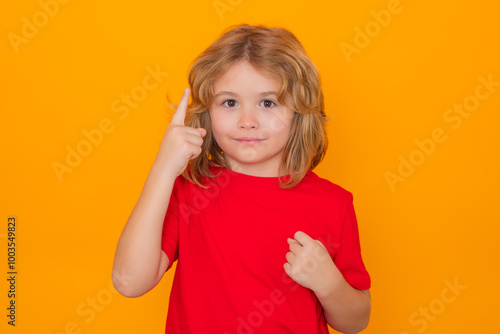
x: 243, y: 77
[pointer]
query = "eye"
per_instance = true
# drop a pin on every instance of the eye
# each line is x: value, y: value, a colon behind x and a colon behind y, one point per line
x: 268, y: 103
x: 230, y: 103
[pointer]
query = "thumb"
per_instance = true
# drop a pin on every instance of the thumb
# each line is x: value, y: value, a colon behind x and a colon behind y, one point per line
x: 203, y: 132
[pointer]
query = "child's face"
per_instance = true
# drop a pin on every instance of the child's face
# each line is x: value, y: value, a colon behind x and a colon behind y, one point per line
x: 245, y: 108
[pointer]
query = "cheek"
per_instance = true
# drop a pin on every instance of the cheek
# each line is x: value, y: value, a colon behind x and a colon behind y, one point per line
x: 279, y: 125
x: 220, y: 126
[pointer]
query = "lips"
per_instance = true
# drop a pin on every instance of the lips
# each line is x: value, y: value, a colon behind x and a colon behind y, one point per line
x: 249, y: 140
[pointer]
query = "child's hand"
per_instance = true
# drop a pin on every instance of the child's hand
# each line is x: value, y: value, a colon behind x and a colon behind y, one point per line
x: 180, y: 143
x: 310, y: 265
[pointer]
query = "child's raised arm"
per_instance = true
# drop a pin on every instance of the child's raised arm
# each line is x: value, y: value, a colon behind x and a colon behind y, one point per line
x: 139, y: 262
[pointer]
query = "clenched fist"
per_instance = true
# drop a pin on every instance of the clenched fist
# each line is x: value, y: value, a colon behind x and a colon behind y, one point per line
x: 309, y: 263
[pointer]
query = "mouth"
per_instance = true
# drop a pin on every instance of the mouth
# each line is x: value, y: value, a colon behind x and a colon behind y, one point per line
x: 249, y: 140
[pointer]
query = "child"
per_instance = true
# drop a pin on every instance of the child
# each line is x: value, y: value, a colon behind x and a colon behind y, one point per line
x: 263, y: 244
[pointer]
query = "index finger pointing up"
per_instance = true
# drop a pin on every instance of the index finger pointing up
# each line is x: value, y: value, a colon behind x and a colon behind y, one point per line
x: 180, y: 113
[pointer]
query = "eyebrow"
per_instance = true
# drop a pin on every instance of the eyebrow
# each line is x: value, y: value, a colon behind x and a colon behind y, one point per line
x: 234, y: 94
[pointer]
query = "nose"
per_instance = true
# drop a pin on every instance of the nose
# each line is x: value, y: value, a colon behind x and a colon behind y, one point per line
x: 248, y: 118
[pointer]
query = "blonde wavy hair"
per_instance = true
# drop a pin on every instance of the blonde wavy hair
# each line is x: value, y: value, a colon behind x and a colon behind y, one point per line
x: 275, y: 52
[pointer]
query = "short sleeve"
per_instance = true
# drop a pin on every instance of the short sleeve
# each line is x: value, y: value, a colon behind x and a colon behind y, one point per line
x: 348, y: 258
x: 170, y: 231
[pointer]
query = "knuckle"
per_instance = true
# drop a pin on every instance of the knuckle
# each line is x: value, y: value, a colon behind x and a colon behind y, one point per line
x: 172, y: 128
x: 183, y: 146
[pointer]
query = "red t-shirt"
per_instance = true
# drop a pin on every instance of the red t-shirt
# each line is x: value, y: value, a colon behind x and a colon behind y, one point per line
x: 230, y: 242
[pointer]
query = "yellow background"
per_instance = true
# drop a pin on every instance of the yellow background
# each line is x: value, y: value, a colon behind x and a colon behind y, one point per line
x: 440, y: 224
